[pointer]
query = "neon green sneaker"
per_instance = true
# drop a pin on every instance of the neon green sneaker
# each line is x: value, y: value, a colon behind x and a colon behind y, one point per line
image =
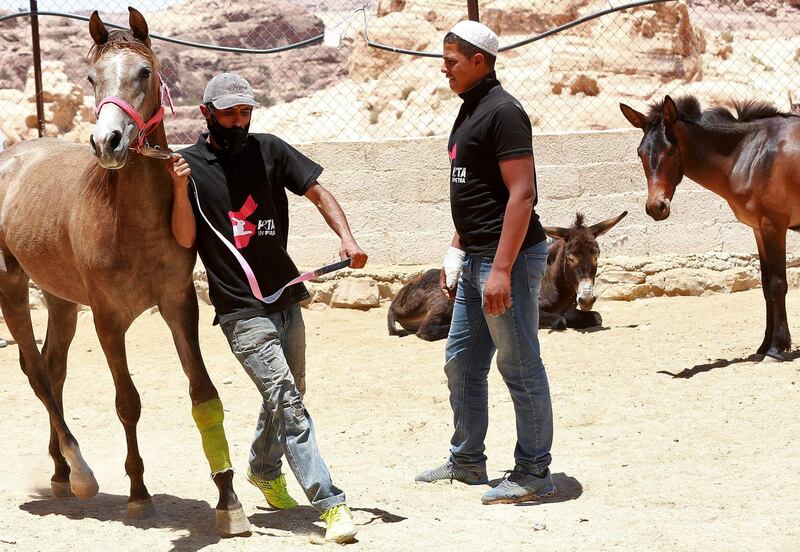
x: 339, y: 526
x: 274, y: 491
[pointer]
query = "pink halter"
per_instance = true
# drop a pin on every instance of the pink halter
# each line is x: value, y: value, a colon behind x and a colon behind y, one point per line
x: 145, y: 128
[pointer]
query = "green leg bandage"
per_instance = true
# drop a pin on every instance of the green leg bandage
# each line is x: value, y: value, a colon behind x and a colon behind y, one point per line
x: 208, y: 416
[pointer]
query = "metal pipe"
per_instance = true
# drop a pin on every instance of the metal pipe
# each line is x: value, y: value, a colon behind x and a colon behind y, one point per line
x: 37, y: 68
x: 472, y: 10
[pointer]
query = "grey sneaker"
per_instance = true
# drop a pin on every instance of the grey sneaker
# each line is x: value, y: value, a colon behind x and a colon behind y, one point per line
x: 520, y: 486
x: 452, y: 472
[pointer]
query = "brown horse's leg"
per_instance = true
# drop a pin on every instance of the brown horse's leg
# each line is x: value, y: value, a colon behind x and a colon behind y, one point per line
x: 773, y: 238
x: 14, y: 304
x: 765, y: 277
x: 62, y: 317
x: 111, y: 333
x: 181, y: 315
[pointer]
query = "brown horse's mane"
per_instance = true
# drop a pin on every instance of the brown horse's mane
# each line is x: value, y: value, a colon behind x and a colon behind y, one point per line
x: 689, y: 110
x: 119, y: 39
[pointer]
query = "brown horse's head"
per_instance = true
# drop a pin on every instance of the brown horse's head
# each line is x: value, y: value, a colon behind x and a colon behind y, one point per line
x: 660, y: 154
x: 124, y: 75
x: 579, y: 256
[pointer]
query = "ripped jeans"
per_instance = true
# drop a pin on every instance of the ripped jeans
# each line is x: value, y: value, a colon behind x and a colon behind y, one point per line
x: 271, y: 349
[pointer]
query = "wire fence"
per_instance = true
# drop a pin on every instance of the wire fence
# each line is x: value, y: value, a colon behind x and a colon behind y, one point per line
x: 339, y: 86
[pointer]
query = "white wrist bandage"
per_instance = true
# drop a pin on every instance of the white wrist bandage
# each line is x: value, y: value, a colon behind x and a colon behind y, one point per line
x: 452, y: 266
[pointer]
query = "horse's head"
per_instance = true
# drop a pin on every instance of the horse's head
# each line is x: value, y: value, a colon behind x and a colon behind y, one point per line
x: 124, y: 75
x: 579, y: 255
x: 660, y: 154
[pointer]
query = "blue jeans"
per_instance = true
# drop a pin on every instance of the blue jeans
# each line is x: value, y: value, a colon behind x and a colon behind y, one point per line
x: 272, y: 350
x: 473, y: 339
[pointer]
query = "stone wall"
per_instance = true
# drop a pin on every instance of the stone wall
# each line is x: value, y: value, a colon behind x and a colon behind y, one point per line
x: 395, y: 194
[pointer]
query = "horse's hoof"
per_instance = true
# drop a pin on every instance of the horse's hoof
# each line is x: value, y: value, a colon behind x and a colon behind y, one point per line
x: 61, y: 489
x: 83, y: 484
x: 773, y: 357
x: 141, y: 509
x: 232, y: 522
x: 81, y: 477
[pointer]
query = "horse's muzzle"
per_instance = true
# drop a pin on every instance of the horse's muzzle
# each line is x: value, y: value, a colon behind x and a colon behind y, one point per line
x: 111, y: 148
x: 658, y: 209
x: 585, y: 295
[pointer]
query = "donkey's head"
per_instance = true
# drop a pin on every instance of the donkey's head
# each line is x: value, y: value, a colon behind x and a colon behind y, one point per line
x: 660, y: 154
x: 577, y: 257
x: 124, y: 75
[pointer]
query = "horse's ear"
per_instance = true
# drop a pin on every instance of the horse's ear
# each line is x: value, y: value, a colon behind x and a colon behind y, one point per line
x: 602, y: 227
x: 557, y: 233
x: 634, y: 117
x: 97, y: 29
x: 670, y: 111
x: 139, y: 26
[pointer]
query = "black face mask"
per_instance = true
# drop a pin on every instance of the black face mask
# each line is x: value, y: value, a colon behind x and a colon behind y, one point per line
x: 229, y: 140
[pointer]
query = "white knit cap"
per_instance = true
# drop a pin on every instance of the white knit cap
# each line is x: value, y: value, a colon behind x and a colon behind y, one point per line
x: 477, y: 34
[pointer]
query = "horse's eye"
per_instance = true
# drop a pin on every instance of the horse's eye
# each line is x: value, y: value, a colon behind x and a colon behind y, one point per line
x: 671, y: 151
x: 145, y: 73
x: 90, y: 79
x: 572, y: 259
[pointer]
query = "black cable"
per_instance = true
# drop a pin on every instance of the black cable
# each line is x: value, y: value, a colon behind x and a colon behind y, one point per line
x: 540, y: 36
x: 300, y: 44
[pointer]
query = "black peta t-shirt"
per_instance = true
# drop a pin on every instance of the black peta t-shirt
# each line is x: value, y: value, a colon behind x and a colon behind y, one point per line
x: 244, y: 198
x: 491, y: 126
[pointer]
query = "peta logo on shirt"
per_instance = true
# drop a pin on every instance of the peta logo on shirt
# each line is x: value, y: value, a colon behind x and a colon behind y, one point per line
x: 266, y: 227
x: 459, y: 175
x: 243, y: 229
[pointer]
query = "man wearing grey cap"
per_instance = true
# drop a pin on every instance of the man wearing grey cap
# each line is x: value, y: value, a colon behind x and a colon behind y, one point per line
x: 238, y: 195
x: 494, y: 269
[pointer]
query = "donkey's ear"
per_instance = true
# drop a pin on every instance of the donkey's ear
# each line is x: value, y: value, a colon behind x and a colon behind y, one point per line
x: 97, y: 29
x: 670, y: 111
x: 602, y: 227
x: 634, y: 117
x: 139, y: 26
x: 557, y: 233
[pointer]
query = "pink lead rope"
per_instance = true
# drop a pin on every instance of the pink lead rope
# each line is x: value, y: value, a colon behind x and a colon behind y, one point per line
x: 248, y: 271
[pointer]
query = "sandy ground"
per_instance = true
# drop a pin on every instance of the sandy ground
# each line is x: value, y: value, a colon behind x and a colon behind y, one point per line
x: 666, y: 438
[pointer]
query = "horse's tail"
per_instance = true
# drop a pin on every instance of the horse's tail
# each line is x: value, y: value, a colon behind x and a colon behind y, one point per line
x: 390, y: 320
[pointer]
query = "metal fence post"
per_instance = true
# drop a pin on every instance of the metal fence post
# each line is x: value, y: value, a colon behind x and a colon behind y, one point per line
x: 472, y: 10
x: 37, y: 68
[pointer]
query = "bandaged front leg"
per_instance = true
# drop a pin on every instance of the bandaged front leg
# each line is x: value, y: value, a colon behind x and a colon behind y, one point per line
x: 209, y: 416
x: 452, y: 266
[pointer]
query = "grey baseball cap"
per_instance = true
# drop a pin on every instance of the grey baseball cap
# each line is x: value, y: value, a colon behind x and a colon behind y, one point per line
x: 228, y: 89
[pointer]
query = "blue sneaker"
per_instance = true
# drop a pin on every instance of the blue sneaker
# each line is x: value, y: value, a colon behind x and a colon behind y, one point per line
x: 452, y: 472
x: 520, y: 486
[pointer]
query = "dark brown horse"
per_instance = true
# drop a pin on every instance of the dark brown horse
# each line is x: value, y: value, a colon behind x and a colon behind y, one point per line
x: 565, y: 299
x: 92, y: 226
x: 752, y: 160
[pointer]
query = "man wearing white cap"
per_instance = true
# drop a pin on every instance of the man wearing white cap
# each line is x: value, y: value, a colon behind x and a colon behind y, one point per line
x: 239, y: 197
x: 494, y: 268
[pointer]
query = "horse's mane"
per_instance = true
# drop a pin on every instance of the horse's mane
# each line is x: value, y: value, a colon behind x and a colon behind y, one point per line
x: 578, y: 220
x: 120, y: 39
x: 689, y: 110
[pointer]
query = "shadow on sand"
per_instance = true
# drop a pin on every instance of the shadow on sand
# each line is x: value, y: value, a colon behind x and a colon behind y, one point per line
x: 186, y: 514
x: 301, y: 520
x: 174, y: 513
x: 687, y: 373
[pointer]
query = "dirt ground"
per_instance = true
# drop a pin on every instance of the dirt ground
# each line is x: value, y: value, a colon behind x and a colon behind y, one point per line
x: 666, y: 438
